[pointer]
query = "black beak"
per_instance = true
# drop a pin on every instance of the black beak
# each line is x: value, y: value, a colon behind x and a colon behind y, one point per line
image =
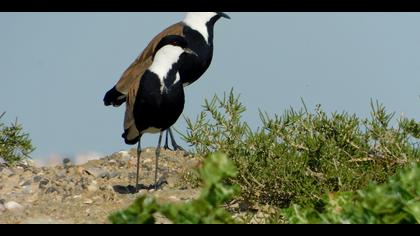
x: 223, y: 15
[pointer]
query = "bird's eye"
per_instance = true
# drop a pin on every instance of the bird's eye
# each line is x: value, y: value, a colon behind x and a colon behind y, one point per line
x: 175, y: 43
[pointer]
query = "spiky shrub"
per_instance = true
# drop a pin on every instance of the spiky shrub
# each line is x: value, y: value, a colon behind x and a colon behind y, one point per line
x: 15, y: 144
x: 394, y: 202
x: 300, y: 155
x: 206, y: 209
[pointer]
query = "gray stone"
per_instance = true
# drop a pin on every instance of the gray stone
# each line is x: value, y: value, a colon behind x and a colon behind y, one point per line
x: 67, y: 163
x: 37, y: 178
x: 97, y: 172
x: 105, y: 175
x: 27, y: 189
x: 13, y: 206
x: 2, y: 161
x: 43, y: 183
x: 114, y: 174
x: 62, y: 174
x: 7, y: 172
x: 51, y: 190
x: 27, y: 182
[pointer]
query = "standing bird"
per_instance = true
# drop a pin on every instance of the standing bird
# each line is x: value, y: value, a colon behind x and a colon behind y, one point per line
x: 198, y: 29
x: 156, y: 103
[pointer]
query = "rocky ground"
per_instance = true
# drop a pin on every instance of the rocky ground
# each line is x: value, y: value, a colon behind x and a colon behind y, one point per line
x: 88, y: 193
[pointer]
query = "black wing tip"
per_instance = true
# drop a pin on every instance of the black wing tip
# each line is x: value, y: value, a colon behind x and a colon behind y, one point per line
x: 128, y: 141
x: 114, y: 97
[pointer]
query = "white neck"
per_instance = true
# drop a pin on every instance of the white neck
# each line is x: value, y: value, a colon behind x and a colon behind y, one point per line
x: 163, y: 61
x: 198, y: 21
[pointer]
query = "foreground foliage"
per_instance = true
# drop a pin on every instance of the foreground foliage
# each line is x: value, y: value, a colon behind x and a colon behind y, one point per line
x: 300, y: 155
x: 394, y: 202
x: 15, y: 145
x: 206, y: 209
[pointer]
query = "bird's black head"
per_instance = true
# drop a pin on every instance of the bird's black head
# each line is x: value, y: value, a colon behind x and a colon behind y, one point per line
x: 174, y: 40
x: 220, y: 15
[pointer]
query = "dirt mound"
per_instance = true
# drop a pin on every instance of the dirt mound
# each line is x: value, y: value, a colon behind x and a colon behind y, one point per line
x: 88, y: 193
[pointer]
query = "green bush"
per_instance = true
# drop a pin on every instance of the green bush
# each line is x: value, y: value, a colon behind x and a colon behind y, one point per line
x: 396, y: 201
x: 299, y: 156
x: 206, y: 209
x: 15, y: 145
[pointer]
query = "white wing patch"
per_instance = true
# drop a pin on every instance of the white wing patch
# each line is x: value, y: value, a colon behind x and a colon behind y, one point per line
x: 198, y: 20
x: 164, y: 59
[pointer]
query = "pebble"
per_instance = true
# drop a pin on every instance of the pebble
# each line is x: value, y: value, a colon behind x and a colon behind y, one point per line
x: 13, y: 206
x: 25, y: 183
x: 88, y: 201
x: 114, y: 174
x: 37, y: 178
x: 67, y: 163
x: 7, y: 172
x: 43, y: 183
x: 92, y: 188
x: 51, y: 190
x: 27, y: 189
x: 95, y: 172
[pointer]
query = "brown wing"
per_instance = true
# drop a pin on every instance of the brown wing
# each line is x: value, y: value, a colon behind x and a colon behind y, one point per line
x: 130, y: 129
x: 144, y: 60
x: 130, y: 81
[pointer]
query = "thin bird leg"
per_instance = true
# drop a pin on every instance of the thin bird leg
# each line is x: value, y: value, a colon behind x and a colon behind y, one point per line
x: 138, y: 165
x: 157, y: 158
x: 174, y: 144
x: 166, y: 147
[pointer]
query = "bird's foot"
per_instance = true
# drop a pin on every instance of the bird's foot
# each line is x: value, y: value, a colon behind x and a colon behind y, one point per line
x: 166, y: 147
x: 158, y: 184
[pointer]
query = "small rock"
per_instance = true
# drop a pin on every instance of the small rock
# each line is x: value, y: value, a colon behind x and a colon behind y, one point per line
x: 2, y: 208
x: 2, y: 161
x: 27, y: 182
x: 37, y: 178
x: 62, y: 174
x: 51, y: 190
x: 43, y: 183
x: 95, y: 171
x: 27, y: 189
x: 173, y: 198
x: 105, y: 175
x: 114, y: 174
x: 92, y: 188
x: 13, y: 206
x: 7, y: 172
x: 67, y: 163
x: 88, y: 201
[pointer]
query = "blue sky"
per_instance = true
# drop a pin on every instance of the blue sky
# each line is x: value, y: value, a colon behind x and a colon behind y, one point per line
x: 56, y: 67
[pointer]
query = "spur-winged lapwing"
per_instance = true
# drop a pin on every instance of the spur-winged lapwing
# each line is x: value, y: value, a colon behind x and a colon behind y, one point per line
x: 155, y: 104
x: 198, y: 29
